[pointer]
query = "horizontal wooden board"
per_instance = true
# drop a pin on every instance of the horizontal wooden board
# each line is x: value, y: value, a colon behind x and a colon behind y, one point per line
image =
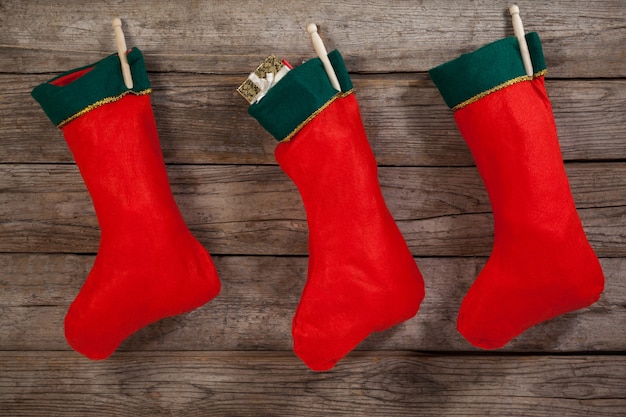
x: 276, y: 384
x: 202, y: 120
x: 232, y: 357
x: 256, y: 210
x: 259, y: 297
x: 377, y: 36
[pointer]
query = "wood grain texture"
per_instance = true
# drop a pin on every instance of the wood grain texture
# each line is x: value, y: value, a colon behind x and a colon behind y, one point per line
x: 376, y: 36
x: 256, y: 210
x: 232, y: 357
x: 365, y: 384
x: 201, y: 120
x: 259, y: 297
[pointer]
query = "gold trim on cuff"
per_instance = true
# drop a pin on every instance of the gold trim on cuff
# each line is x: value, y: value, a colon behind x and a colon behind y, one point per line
x: 102, y: 102
x: 315, y: 113
x: 499, y: 87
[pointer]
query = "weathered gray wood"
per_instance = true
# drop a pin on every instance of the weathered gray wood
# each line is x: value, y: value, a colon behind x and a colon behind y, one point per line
x: 364, y: 384
x: 258, y: 300
x: 201, y: 120
x: 233, y: 356
x: 257, y: 209
x: 581, y: 38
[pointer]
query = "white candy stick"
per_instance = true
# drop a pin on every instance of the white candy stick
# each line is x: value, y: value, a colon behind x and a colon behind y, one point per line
x: 320, y: 50
x: 120, y: 42
x: 518, y: 28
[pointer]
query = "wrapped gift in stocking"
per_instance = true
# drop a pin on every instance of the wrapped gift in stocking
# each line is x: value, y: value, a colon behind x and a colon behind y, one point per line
x: 148, y: 266
x: 541, y: 265
x: 361, y: 275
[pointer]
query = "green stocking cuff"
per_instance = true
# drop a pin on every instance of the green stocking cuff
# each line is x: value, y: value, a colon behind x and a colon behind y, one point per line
x: 494, y: 66
x: 80, y: 90
x: 301, y: 94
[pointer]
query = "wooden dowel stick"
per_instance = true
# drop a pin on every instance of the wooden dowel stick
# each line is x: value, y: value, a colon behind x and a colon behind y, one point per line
x: 518, y: 28
x: 120, y: 42
x: 320, y: 50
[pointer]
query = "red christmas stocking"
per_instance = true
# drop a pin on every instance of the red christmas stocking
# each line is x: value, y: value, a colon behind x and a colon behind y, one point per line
x: 541, y: 265
x: 362, y: 277
x: 148, y: 266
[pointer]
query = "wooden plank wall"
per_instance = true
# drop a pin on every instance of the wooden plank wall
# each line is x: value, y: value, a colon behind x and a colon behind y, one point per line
x: 233, y: 356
